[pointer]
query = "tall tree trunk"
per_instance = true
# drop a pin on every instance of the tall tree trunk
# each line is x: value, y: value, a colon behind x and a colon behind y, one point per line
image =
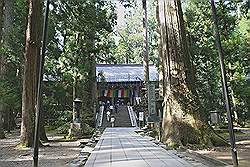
x: 8, y: 21
x: 32, y: 52
x: 94, y: 85
x: 9, y: 120
x: 90, y: 85
x: 89, y: 88
x: 2, y: 135
x: 7, y: 30
x: 146, y: 47
x: 160, y: 50
x: 74, y: 86
x: 182, y: 121
x: 1, y: 67
x: 8, y: 13
x: 42, y: 133
x: 1, y: 27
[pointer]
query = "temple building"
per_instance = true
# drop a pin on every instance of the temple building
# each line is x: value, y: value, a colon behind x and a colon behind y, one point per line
x: 122, y: 82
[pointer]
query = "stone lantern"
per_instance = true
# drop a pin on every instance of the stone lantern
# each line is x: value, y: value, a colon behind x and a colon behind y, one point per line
x: 75, y: 127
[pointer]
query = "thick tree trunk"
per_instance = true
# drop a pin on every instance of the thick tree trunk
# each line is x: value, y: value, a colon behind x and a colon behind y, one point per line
x: 9, y: 120
x: 32, y: 52
x: 160, y: 49
x: 6, y: 34
x: 7, y: 25
x: 182, y: 121
x: 42, y: 133
x: 8, y: 20
x: 93, y: 82
x: 1, y: 21
x: 74, y: 86
x: 89, y: 89
x: 146, y: 47
x: 2, y: 135
x: 90, y: 82
x: 1, y: 68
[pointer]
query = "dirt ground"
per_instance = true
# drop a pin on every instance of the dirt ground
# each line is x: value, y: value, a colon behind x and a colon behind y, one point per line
x: 57, y: 154
x: 242, y: 147
x: 224, y: 153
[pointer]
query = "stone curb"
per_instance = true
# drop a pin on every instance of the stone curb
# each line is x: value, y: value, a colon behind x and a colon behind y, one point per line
x: 85, y: 152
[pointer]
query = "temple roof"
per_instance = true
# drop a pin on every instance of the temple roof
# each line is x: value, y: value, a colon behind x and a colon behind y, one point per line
x: 125, y: 72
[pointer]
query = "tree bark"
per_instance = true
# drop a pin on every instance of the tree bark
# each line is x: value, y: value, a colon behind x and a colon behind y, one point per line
x: 32, y: 52
x: 182, y: 121
x: 9, y: 120
x: 89, y: 88
x: 74, y: 86
x: 160, y: 50
x: 90, y: 85
x: 94, y: 86
x: 146, y: 47
x: 42, y: 133
x: 2, y: 135
x: 8, y: 21
x: 1, y: 22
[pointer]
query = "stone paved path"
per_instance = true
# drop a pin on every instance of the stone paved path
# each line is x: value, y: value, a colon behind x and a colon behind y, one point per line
x: 122, y: 147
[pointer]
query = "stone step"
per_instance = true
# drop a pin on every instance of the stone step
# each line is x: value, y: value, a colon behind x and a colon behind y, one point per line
x: 122, y: 118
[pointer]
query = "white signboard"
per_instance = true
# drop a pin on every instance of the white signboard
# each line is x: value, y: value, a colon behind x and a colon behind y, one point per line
x: 140, y: 116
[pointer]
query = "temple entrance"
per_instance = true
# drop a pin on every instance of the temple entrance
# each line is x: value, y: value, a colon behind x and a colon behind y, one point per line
x: 120, y: 88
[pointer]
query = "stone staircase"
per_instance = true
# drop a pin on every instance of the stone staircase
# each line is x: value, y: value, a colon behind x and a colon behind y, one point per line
x: 122, y: 118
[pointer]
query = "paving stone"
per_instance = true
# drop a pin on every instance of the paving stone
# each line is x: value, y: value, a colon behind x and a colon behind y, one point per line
x: 122, y: 147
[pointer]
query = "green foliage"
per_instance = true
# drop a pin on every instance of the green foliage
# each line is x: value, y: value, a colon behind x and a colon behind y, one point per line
x: 10, y: 95
x: 130, y: 37
x: 78, y: 32
x: 12, y: 53
x: 63, y: 128
x: 57, y: 106
x: 232, y: 25
x: 81, y: 33
x: 88, y: 130
x: 80, y: 37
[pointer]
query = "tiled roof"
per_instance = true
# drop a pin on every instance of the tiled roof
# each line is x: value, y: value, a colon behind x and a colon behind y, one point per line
x: 125, y: 72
